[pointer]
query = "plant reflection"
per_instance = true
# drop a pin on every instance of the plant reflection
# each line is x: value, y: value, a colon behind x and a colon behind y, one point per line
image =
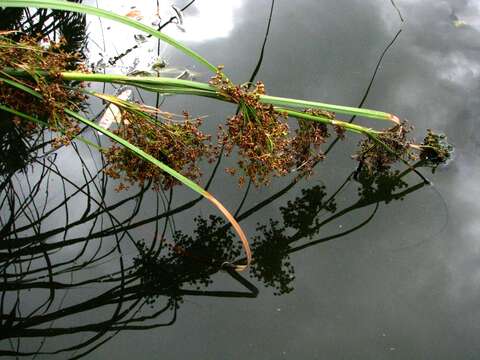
x: 304, y: 218
x: 161, y: 272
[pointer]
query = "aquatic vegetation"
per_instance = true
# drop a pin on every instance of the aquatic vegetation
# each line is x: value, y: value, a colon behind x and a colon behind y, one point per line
x: 435, y: 149
x: 62, y: 105
x: 308, y: 214
x: 266, y: 144
x: 148, y: 279
x: 36, y: 86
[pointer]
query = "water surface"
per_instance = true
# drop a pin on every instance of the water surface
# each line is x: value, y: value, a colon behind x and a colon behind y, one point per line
x: 386, y: 274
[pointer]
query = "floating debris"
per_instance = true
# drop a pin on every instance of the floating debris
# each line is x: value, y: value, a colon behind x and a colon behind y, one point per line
x: 139, y: 38
x: 112, y: 113
x: 160, y: 68
x: 456, y: 22
x: 459, y: 23
x: 138, y: 72
x: 99, y: 65
x: 179, y: 14
x: 134, y: 65
x: 179, y: 17
x: 184, y: 75
x: 179, y: 73
x: 134, y: 14
x: 159, y: 64
x: 435, y: 149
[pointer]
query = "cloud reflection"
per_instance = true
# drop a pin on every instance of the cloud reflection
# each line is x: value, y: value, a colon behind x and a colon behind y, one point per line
x: 203, y: 21
x: 208, y: 20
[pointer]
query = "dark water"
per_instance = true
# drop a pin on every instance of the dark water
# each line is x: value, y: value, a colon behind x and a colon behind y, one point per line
x: 355, y: 271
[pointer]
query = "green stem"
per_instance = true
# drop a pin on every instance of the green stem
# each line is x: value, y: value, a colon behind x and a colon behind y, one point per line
x: 324, y: 120
x: 184, y: 180
x: 373, y: 114
x: 188, y: 87
x: 126, y: 79
x: 178, y: 86
x: 139, y: 152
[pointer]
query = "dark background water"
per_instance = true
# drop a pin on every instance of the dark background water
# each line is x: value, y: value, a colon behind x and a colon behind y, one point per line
x: 398, y: 276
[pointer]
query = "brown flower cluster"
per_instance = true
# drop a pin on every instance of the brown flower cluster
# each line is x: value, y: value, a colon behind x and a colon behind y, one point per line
x: 28, y: 55
x: 380, y: 152
x: 180, y: 145
x: 309, y: 136
x: 266, y: 145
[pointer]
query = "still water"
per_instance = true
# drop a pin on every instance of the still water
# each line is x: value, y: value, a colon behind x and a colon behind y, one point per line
x: 343, y: 269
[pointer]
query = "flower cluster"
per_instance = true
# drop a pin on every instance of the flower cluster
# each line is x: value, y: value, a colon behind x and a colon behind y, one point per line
x: 307, y: 140
x: 378, y: 152
x: 266, y: 145
x: 180, y: 145
x: 43, y: 63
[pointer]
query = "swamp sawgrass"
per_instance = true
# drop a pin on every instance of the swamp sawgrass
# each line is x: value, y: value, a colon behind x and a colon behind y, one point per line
x: 259, y: 131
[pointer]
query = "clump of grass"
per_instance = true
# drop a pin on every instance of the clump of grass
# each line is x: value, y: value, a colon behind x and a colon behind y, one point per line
x: 309, y: 136
x: 257, y: 130
x: 379, y: 151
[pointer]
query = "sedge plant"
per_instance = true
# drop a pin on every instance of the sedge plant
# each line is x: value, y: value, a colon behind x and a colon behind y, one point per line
x: 36, y: 87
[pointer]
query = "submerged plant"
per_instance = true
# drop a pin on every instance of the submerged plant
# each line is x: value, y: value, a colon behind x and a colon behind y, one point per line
x: 435, y: 149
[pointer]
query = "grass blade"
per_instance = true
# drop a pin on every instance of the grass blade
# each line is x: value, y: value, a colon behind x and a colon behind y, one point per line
x: 347, y: 110
x: 189, y: 87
